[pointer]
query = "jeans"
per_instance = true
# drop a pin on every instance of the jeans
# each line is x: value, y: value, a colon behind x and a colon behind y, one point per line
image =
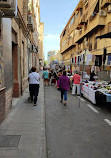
x: 64, y: 94
x: 34, y: 91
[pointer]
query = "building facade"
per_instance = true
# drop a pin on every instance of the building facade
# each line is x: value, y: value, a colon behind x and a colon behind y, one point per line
x: 78, y: 43
x: 18, y: 48
x: 35, y: 35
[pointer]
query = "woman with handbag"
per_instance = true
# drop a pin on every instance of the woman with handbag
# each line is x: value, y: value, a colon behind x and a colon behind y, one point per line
x: 64, y: 82
x: 34, y: 81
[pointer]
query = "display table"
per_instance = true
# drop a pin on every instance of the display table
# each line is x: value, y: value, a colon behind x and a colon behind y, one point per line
x: 102, y: 97
x: 89, y: 93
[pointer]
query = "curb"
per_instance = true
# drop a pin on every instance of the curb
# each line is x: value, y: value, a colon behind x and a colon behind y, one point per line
x: 43, y: 153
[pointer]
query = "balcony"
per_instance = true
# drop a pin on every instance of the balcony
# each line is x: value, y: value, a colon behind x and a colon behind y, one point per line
x: 8, y: 8
x: 97, y: 21
x: 30, y: 23
x: 105, y: 3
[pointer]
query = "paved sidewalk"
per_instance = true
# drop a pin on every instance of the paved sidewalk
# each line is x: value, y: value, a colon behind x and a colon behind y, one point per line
x: 22, y: 133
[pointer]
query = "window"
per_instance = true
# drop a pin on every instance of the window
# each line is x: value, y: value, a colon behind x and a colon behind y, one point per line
x: 81, y: 11
x: 85, y: 26
x: 76, y: 15
x: 64, y: 32
x: 71, y: 21
x: 63, y: 43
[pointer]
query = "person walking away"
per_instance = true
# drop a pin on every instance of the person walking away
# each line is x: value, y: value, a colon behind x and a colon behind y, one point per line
x: 46, y: 77
x: 34, y: 81
x: 58, y: 75
x: 50, y: 76
x: 76, y: 83
x: 64, y: 87
x: 55, y: 78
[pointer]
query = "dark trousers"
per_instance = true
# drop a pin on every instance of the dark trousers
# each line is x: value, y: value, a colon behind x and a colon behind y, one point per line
x: 34, y: 91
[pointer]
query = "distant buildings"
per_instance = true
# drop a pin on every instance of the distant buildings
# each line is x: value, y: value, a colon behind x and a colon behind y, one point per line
x: 50, y: 56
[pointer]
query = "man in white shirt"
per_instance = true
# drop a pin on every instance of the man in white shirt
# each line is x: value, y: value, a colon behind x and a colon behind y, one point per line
x: 34, y: 80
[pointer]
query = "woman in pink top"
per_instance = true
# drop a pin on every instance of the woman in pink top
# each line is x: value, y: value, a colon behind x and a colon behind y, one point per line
x: 76, y: 83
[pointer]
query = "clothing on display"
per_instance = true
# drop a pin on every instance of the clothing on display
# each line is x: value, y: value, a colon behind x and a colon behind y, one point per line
x: 109, y: 60
x: 98, y: 60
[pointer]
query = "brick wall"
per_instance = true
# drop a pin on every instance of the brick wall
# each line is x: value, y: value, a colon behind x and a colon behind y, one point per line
x: 2, y: 105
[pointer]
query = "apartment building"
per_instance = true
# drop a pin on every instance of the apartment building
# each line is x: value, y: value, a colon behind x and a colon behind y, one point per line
x: 19, y: 46
x: 78, y: 43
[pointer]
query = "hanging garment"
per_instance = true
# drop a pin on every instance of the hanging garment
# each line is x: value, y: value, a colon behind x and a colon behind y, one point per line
x: 109, y: 60
x: 98, y: 60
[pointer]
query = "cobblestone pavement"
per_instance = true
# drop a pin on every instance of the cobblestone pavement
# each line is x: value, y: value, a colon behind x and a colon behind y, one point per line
x: 76, y: 131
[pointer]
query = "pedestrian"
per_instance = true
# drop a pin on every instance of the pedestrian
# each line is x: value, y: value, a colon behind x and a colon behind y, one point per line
x: 64, y: 87
x: 46, y: 76
x: 53, y: 77
x: 29, y: 98
x: 76, y: 83
x: 34, y: 81
x: 58, y: 76
x: 50, y: 76
x: 92, y: 74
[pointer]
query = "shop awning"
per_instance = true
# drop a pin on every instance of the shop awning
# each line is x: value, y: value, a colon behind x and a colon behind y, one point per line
x: 91, y: 10
x: 108, y: 35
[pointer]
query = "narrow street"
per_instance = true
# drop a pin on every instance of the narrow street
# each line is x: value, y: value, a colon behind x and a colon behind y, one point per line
x: 76, y: 131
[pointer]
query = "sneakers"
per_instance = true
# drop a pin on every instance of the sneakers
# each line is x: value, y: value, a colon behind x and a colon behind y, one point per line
x: 35, y: 104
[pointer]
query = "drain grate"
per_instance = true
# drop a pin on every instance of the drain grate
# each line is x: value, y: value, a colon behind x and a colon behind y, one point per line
x: 9, y: 141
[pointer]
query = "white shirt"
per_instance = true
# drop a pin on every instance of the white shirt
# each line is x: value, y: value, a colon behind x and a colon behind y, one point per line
x: 34, y: 78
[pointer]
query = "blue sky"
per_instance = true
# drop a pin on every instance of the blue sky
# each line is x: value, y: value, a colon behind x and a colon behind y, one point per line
x: 55, y: 15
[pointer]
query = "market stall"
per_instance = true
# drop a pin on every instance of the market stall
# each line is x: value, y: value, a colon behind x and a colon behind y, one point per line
x: 97, y: 92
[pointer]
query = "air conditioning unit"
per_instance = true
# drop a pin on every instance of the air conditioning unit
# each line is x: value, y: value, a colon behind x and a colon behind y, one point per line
x: 8, y: 8
x: 102, y: 13
x: 109, y: 9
